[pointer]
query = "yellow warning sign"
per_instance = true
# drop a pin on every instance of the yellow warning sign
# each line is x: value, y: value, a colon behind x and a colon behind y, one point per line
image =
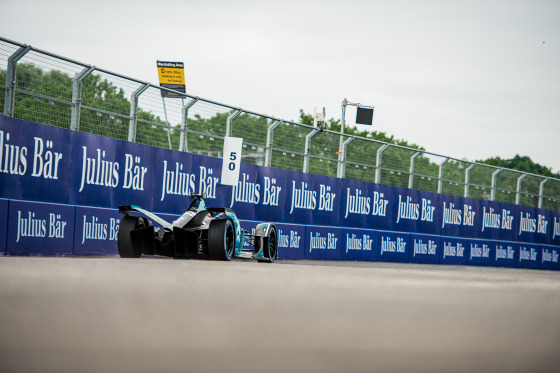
x: 171, y: 75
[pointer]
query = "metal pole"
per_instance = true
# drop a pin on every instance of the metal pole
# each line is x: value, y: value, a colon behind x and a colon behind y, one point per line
x: 411, y: 170
x: 541, y: 191
x: 493, y: 188
x: 134, y: 112
x: 342, y: 160
x: 230, y: 119
x: 343, y: 118
x: 269, y: 139
x: 342, y: 123
x: 77, y: 97
x: 307, y: 149
x: 378, y: 163
x: 468, y: 179
x: 9, y: 97
x: 183, y: 146
x: 440, y: 176
x: 166, y: 122
x: 518, y: 191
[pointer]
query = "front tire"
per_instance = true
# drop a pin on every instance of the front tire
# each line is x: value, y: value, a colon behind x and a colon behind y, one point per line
x: 124, y: 241
x: 221, y: 240
x: 271, y: 251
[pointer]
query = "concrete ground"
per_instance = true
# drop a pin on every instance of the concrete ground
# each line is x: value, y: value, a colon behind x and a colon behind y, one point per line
x: 159, y: 315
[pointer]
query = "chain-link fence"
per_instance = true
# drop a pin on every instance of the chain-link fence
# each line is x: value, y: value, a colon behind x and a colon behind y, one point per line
x: 39, y: 86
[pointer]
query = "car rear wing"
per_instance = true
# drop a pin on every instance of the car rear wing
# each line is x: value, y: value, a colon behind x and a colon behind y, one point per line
x: 128, y: 209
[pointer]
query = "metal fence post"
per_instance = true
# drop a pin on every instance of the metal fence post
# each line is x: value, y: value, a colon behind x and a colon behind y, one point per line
x: 493, y: 188
x: 307, y: 149
x: 440, y: 176
x: 269, y: 139
x: 468, y: 179
x: 134, y: 112
x: 77, y: 97
x: 11, y: 80
x: 541, y: 191
x: 411, y: 169
x: 342, y: 158
x: 518, y: 191
x: 378, y: 162
x: 183, y: 146
x: 230, y: 119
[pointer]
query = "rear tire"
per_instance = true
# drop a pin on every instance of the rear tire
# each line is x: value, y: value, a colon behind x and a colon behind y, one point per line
x: 271, y: 251
x: 124, y: 241
x: 221, y: 240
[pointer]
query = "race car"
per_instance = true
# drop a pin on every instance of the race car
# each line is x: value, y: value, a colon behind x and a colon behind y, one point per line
x: 201, y: 232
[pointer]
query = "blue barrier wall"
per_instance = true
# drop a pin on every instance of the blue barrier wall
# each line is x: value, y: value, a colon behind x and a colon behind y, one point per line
x: 60, y: 190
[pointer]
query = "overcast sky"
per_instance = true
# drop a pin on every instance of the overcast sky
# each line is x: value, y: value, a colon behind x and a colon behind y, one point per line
x: 467, y: 78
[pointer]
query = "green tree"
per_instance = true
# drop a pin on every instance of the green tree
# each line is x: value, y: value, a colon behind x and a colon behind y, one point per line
x: 521, y: 163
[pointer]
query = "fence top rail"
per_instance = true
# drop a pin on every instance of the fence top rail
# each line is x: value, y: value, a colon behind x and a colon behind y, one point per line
x: 198, y: 98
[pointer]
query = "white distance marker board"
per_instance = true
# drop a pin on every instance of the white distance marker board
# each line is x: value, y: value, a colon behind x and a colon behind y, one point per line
x: 231, y: 162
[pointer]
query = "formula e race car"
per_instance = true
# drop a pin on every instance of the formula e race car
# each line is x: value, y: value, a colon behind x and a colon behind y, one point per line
x: 213, y: 233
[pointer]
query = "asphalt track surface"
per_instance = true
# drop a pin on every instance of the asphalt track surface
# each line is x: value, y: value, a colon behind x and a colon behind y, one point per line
x: 158, y: 315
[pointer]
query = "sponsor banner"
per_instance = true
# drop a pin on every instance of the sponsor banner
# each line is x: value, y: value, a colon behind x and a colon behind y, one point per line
x: 245, y: 196
x: 554, y: 228
x: 529, y: 256
x: 498, y: 221
x: 3, y: 225
x: 408, y: 208
x: 301, y: 199
x: 366, y: 205
x: 291, y: 241
x: 430, y: 215
x: 40, y: 228
x: 273, y: 195
x: 481, y: 253
x: 392, y: 246
x: 329, y: 201
x: 549, y: 257
x: 34, y: 161
x: 383, y: 207
x: 357, y: 203
x: 426, y: 249
x: 175, y: 179
x: 358, y: 245
x: 178, y: 174
x: 95, y: 171
x: 527, y: 224
x: 454, y: 251
x: 458, y: 216
x: 135, y: 175
x: 96, y: 231
x: 208, y: 170
x: 535, y: 225
x: 505, y: 254
x: 323, y: 243
x: 49, y: 164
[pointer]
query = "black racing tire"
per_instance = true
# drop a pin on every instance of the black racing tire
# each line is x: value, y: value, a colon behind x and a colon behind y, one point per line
x: 221, y: 240
x: 271, y: 251
x: 124, y: 241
